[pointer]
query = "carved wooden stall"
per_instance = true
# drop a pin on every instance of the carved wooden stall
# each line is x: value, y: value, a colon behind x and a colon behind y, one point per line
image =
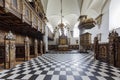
x: 73, y: 47
x: 22, y: 19
x: 96, y: 48
x: 32, y: 55
x: 100, y: 50
x: 27, y: 48
x: 40, y: 48
x: 2, y: 56
x: 109, y: 52
x: 20, y: 52
x: 10, y: 50
x: 114, y: 48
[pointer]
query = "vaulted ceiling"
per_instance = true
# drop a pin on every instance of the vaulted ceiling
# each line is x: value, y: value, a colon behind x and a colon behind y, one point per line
x: 72, y: 9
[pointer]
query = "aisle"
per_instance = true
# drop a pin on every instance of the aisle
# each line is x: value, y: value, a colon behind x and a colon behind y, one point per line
x: 62, y: 67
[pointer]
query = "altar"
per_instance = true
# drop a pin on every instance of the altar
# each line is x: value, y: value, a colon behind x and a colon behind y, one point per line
x: 63, y: 43
x: 63, y: 47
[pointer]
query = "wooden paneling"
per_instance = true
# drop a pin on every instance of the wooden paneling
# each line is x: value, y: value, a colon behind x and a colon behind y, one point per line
x: 73, y: 47
x: 52, y: 47
x: 20, y: 17
x: 2, y: 52
x: 85, y: 41
x: 20, y: 51
x: 103, y: 51
x: 109, y: 52
x: 70, y: 47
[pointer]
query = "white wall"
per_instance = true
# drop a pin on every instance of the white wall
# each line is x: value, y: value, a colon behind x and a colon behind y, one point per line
x: 118, y: 30
x: 114, y: 14
x: 110, y: 20
x: 103, y: 28
x: 73, y: 41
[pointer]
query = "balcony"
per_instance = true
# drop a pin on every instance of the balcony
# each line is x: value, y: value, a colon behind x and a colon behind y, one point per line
x: 20, y: 16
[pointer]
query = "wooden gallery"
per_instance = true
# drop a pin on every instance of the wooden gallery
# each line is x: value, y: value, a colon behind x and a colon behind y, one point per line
x: 21, y: 31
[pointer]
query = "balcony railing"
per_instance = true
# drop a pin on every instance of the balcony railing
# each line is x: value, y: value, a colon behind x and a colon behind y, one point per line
x: 24, y: 11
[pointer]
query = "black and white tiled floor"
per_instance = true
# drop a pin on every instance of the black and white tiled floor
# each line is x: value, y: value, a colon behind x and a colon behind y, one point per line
x: 62, y: 67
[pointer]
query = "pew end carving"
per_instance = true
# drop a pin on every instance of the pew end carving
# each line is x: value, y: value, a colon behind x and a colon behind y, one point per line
x: 108, y: 52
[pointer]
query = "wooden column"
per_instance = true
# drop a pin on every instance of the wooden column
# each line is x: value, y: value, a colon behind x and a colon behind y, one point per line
x: 36, y: 47
x: 27, y: 49
x: 9, y: 50
x: 96, y: 48
x: 112, y: 47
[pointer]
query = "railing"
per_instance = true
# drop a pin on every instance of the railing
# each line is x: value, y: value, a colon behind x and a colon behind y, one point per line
x: 24, y: 11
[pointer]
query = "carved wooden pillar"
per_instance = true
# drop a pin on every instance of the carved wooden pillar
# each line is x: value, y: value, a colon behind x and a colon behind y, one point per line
x: 117, y: 51
x: 9, y: 50
x: 96, y: 48
x: 27, y: 49
x: 112, y: 47
x: 36, y: 48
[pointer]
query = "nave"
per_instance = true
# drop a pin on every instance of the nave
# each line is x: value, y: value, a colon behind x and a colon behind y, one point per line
x: 62, y: 65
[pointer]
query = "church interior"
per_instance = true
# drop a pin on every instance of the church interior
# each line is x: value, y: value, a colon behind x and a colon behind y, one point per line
x: 59, y: 40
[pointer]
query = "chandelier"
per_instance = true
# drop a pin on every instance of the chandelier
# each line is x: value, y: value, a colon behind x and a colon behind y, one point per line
x: 61, y: 25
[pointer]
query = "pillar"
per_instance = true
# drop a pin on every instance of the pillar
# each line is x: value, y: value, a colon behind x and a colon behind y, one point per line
x: 9, y: 50
x: 46, y: 39
x: 41, y: 47
x: 36, y: 47
x: 81, y: 32
x: 27, y: 49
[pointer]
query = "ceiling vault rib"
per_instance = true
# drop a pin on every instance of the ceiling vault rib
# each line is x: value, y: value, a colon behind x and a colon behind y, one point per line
x: 104, y: 5
x: 81, y: 6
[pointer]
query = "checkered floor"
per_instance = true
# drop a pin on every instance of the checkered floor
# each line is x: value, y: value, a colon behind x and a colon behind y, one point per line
x: 62, y: 67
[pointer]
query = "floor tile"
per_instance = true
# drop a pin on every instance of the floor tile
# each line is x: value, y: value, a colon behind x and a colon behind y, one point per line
x: 62, y: 65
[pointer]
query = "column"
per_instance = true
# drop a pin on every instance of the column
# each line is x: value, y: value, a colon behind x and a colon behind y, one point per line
x: 69, y: 36
x: 27, y: 49
x: 46, y: 39
x: 41, y: 47
x: 81, y: 32
x: 36, y: 47
x: 9, y: 50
